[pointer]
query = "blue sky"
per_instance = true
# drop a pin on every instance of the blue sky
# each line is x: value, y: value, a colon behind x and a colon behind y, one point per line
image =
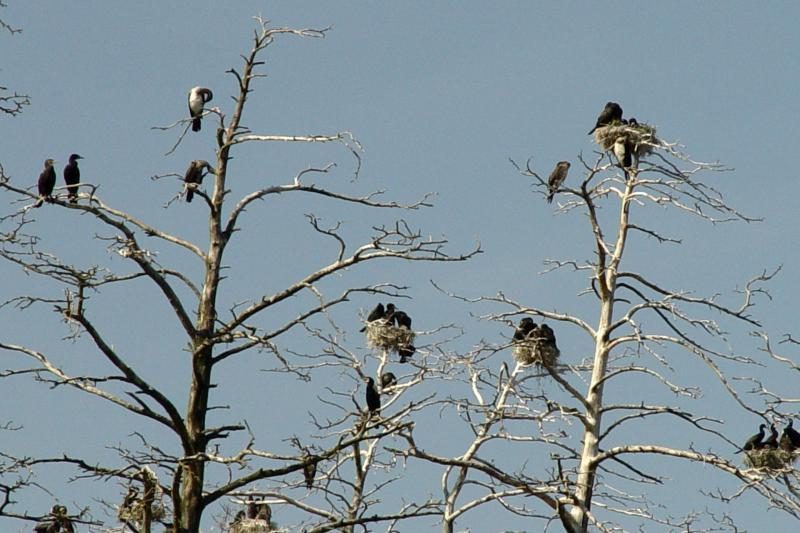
x: 441, y: 95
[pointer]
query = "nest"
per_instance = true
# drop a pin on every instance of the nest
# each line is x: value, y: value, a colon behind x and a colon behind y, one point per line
x: 769, y: 458
x: 381, y: 334
x: 641, y: 136
x: 535, y: 351
x: 134, y: 512
x: 251, y: 525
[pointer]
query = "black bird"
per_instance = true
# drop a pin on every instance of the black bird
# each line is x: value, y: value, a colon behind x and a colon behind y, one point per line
x: 72, y: 176
x: 388, y: 380
x: 546, y: 332
x: 632, y: 122
x: 557, y: 177
x: 56, y: 522
x: 790, y: 439
x: 772, y: 440
x: 236, y: 519
x: 402, y: 319
x: 611, y: 112
x: 376, y: 314
x: 406, y: 352
x: 309, y: 473
x: 252, y: 510
x: 526, y: 326
x: 194, y: 177
x: 198, y: 97
x: 624, y: 151
x: 373, y: 398
x: 47, y: 182
x: 754, y: 442
x: 389, y: 314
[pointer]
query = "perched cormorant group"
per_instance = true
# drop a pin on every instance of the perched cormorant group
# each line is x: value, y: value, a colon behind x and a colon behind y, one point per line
x: 772, y: 452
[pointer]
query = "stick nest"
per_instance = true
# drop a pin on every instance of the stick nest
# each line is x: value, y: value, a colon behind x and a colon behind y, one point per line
x: 769, y: 458
x: 535, y: 351
x: 251, y: 525
x: 381, y: 334
x: 641, y: 136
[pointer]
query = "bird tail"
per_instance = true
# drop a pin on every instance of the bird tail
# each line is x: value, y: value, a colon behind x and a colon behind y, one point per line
x: 591, y: 130
x: 550, y: 197
x: 196, y: 124
x: 189, y: 196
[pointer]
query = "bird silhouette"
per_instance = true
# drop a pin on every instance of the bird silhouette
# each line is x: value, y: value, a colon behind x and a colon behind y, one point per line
x: 72, y: 177
x: 46, y: 183
x: 611, y: 112
x: 376, y: 314
x: 754, y: 442
x: 790, y: 438
x: 373, y: 398
x: 194, y: 177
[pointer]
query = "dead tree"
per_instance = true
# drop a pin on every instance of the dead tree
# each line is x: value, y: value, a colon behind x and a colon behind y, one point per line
x: 584, y: 470
x: 186, y: 484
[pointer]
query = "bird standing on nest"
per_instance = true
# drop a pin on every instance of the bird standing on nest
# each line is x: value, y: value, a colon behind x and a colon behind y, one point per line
x: 754, y: 442
x: 611, y: 112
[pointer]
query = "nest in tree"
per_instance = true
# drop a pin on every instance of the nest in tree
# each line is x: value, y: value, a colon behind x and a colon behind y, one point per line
x: 535, y: 351
x: 251, y: 525
x: 385, y: 336
x: 134, y: 512
x: 641, y: 136
x: 769, y: 458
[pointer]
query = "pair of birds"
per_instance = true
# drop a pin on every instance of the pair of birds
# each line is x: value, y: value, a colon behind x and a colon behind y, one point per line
x: 623, y: 150
x: 528, y: 330
x: 789, y: 441
x: 47, y: 180
x: 392, y: 317
x: 254, y: 511
x: 57, y: 522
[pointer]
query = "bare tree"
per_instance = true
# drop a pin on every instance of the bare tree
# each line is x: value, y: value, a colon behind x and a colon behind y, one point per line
x: 597, y: 438
x: 177, y: 489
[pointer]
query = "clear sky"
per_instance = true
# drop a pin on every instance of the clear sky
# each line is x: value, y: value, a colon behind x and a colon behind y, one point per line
x: 441, y: 95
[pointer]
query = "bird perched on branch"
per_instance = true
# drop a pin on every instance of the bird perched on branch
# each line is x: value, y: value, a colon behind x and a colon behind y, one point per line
x: 56, y: 522
x: 309, y: 473
x: 754, y: 442
x: 611, y: 112
x: 194, y: 177
x: 790, y: 438
x: 406, y: 352
x: 72, y: 177
x: 198, y: 97
x: 388, y: 380
x: 373, y: 398
x: 376, y: 314
x: 46, y: 183
x: 557, y: 177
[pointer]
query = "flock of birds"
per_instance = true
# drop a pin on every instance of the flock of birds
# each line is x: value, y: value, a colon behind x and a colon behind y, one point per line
x: 611, y: 113
x: 198, y: 97
x: 789, y: 440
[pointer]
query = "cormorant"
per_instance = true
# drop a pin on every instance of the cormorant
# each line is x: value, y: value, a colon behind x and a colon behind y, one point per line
x: 790, y: 439
x: 526, y: 326
x: 772, y: 440
x: 632, y: 122
x: 389, y: 314
x: 388, y: 380
x: 373, y: 398
x: 611, y: 112
x: 47, y: 182
x: 198, y: 97
x: 406, y: 352
x: 376, y: 314
x: 194, y: 177
x: 546, y: 332
x: 56, y: 522
x: 402, y: 319
x: 252, y: 510
x: 72, y: 176
x: 623, y: 150
x: 309, y: 473
x: 557, y: 177
x: 754, y: 442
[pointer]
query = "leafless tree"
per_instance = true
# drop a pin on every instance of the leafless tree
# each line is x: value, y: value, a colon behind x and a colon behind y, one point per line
x: 177, y: 488
x: 11, y: 103
x: 594, y: 439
